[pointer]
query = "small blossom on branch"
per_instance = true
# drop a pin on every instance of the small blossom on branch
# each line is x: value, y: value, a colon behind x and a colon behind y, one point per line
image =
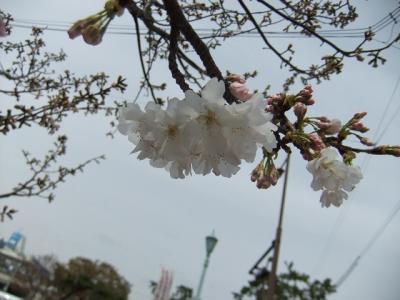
x: 238, y: 87
x: 333, y: 177
x: 93, y: 27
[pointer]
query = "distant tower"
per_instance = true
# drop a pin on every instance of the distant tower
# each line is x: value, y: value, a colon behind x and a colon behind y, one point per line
x: 16, y: 242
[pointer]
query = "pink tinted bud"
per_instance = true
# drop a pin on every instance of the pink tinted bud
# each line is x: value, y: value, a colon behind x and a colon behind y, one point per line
x: 80, y: 25
x: 273, y: 175
x: 300, y: 110
x: 323, y: 119
x: 3, y: 29
x: 323, y: 125
x: 75, y: 30
x: 309, y: 101
x: 334, y: 127
x: 236, y: 78
x: 92, y: 35
x: 240, y: 91
x: 305, y: 95
x: 309, y: 88
x: 358, y: 126
x: 317, y: 143
x: 307, y: 155
x: 367, y: 142
x: 257, y: 172
x: 270, y: 109
x: 275, y: 99
x: 394, y: 150
x: 263, y: 182
x: 359, y: 116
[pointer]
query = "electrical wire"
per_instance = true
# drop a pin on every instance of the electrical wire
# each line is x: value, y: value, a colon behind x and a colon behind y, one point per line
x: 377, y: 138
x: 390, y: 19
x: 369, y: 245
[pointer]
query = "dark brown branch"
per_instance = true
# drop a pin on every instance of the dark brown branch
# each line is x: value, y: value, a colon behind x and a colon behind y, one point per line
x: 173, y: 66
x: 187, y: 30
x: 174, y: 11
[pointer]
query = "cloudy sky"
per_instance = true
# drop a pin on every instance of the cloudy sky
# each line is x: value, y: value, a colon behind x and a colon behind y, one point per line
x: 139, y: 219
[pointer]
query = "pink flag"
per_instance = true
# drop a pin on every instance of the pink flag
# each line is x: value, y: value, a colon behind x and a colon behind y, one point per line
x: 164, y: 285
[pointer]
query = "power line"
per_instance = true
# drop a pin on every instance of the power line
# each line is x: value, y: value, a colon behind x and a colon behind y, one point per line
x: 379, y: 134
x: 342, y: 214
x: 369, y: 245
x: 391, y: 18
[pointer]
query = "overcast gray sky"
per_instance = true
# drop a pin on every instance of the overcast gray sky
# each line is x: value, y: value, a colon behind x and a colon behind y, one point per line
x: 139, y: 219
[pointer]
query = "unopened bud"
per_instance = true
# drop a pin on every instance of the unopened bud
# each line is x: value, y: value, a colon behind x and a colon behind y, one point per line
x: 367, y: 142
x: 263, y: 182
x: 360, y: 57
x: 3, y: 29
x: 273, y: 175
x: 240, y: 91
x: 309, y: 101
x: 300, y: 110
x: 358, y: 126
x: 92, y: 34
x: 334, y: 127
x: 236, y: 78
x: 392, y: 150
x: 359, y: 116
x: 276, y: 99
x: 316, y: 142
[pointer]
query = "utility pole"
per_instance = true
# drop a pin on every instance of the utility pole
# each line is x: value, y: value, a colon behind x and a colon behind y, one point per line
x: 272, y: 276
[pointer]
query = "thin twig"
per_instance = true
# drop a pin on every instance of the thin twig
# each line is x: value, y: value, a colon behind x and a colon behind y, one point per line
x: 146, y: 78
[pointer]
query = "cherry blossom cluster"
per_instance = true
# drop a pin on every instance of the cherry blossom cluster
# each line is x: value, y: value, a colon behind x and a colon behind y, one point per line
x: 200, y: 133
x: 93, y: 27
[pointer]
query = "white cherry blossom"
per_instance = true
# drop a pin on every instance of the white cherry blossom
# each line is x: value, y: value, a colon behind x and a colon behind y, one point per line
x: 333, y: 177
x: 200, y: 133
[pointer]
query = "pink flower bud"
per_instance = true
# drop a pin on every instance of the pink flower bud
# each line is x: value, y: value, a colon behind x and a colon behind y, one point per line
x: 316, y: 142
x: 309, y: 101
x: 236, y: 78
x: 359, y: 116
x: 300, y: 110
x: 276, y: 99
x: 75, y: 29
x: 323, y: 119
x: 323, y: 125
x: 80, y: 25
x: 394, y: 150
x: 305, y: 95
x: 3, y: 29
x: 334, y: 127
x: 92, y: 35
x: 240, y: 91
x: 358, y: 126
x: 309, y: 89
x: 263, y: 182
x: 270, y: 109
x: 367, y: 142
